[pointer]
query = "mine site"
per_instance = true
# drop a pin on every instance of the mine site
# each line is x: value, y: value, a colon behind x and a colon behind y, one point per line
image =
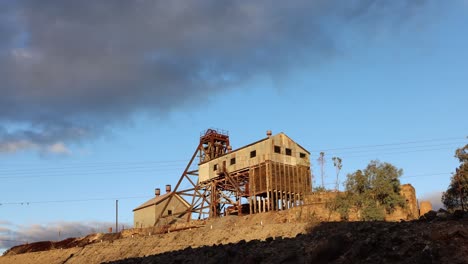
x: 256, y: 204
x: 211, y: 131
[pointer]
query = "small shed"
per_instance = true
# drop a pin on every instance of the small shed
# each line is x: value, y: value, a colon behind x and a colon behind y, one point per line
x: 146, y: 214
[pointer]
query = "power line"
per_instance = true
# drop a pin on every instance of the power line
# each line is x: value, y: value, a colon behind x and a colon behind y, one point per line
x: 412, y: 176
x: 61, y: 170
x: 79, y: 173
x: 397, y: 152
x: 173, y: 165
x: 429, y: 174
x: 98, y: 165
x: 395, y: 148
x: 392, y: 144
x: 168, y: 163
x: 147, y: 197
x: 74, y: 200
x: 114, y: 164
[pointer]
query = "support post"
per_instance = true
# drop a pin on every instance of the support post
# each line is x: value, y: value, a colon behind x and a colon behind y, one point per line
x: 116, y: 216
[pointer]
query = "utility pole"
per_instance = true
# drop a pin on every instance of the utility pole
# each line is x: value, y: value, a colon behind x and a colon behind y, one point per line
x: 321, y: 161
x: 116, y: 216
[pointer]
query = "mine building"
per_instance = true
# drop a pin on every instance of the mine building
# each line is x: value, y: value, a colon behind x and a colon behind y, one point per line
x: 272, y: 173
x: 267, y: 175
x: 145, y: 215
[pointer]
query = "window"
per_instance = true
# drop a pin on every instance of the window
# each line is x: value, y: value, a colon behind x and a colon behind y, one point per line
x: 288, y: 152
x: 277, y: 149
x: 215, y: 167
x: 169, y: 212
x: 233, y: 161
x: 302, y: 155
x: 253, y: 154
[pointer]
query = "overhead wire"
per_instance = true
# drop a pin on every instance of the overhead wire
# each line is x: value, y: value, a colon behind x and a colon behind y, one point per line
x: 174, y: 165
x: 169, y: 164
x: 97, y: 165
x: 396, y: 152
x: 74, y: 200
x: 397, y: 148
x: 391, y: 144
x: 111, y: 169
x: 146, y: 196
x: 77, y: 172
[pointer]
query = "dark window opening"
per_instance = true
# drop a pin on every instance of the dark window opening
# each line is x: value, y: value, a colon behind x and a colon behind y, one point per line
x: 215, y: 167
x: 302, y: 155
x: 277, y: 149
x: 169, y: 212
x: 233, y: 161
x: 288, y: 152
x: 253, y: 154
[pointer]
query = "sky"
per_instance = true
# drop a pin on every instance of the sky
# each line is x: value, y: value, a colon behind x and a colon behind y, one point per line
x: 105, y: 100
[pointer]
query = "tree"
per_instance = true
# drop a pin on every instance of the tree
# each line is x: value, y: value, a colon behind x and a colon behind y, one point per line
x: 319, y: 189
x: 372, y: 192
x: 456, y: 196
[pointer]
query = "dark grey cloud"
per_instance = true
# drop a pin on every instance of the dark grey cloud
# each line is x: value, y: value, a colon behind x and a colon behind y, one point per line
x: 70, y: 69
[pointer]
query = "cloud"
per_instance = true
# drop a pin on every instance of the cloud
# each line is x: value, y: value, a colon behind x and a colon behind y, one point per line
x: 47, y: 140
x: 435, y: 198
x: 88, y: 65
x: 15, y: 235
x: 58, y: 148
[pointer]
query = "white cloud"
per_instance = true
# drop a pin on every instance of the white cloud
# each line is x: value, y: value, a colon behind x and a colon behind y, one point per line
x: 13, y: 146
x: 11, y: 235
x: 23, y: 54
x: 58, y: 148
x: 435, y: 199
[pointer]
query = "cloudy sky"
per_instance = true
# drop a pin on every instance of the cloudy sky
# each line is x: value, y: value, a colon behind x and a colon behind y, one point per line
x: 106, y: 99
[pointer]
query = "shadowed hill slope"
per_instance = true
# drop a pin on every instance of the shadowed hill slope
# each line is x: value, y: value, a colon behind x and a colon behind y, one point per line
x: 281, y: 237
x: 356, y: 242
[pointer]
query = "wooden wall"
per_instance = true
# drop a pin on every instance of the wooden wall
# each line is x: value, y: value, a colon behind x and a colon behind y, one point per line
x: 278, y: 186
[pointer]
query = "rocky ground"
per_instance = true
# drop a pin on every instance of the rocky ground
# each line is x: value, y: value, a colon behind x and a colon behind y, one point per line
x: 283, y: 237
x: 357, y: 242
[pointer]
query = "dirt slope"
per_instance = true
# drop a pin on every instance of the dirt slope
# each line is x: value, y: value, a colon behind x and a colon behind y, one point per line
x: 278, y: 238
x: 225, y: 230
x: 358, y: 242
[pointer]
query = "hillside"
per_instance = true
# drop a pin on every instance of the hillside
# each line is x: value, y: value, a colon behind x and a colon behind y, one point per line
x: 283, y: 237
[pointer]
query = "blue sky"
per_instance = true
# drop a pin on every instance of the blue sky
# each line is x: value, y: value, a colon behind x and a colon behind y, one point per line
x: 387, y: 83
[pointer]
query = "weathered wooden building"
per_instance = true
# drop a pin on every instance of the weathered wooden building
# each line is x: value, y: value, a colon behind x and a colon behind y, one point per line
x: 146, y: 214
x: 271, y: 174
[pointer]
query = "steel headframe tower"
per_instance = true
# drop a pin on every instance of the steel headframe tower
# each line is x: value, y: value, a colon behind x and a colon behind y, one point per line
x: 205, y: 199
